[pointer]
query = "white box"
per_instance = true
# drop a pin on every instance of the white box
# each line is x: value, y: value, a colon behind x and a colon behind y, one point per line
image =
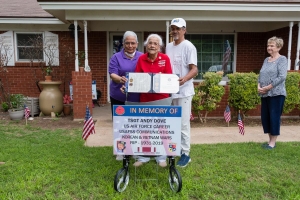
x: 33, y: 104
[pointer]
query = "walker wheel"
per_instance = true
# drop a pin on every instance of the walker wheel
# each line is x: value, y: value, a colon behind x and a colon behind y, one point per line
x: 121, y: 179
x: 175, y: 179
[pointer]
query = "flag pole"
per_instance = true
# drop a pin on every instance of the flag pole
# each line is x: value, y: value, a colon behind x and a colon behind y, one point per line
x: 87, y: 105
x: 26, y: 120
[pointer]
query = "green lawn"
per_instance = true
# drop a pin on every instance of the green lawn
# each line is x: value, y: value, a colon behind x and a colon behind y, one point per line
x: 42, y: 164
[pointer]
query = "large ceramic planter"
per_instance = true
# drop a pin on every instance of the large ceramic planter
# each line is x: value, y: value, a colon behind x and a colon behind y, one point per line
x: 16, y: 114
x: 51, y: 99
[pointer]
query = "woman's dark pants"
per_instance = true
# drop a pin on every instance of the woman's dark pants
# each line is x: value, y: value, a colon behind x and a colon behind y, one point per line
x: 271, y: 110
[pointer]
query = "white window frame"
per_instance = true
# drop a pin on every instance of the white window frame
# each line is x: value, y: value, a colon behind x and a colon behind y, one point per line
x: 233, y: 47
x: 47, y: 36
x: 16, y: 46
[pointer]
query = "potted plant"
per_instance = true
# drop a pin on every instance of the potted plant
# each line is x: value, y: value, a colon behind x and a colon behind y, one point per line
x: 48, y: 71
x: 81, y: 58
x: 16, y: 106
x: 67, y: 107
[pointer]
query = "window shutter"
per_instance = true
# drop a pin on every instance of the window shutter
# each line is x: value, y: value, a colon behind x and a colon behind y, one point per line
x: 7, y: 42
x: 51, y: 48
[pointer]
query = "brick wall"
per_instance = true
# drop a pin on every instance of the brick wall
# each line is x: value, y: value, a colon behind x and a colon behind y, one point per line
x: 22, y: 77
x: 251, y: 51
x: 82, y: 93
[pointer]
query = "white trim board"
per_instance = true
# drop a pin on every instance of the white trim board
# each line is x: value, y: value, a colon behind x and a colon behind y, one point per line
x: 169, y: 6
x: 30, y: 21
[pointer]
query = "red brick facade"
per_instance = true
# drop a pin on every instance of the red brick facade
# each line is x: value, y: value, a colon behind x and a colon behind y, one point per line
x: 250, y: 53
x: 82, y: 94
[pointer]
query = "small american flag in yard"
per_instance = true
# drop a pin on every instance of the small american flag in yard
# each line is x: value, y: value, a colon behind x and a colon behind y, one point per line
x: 88, y: 127
x: 227, y: 114
x: 26, y: 112
x: 241, y: 125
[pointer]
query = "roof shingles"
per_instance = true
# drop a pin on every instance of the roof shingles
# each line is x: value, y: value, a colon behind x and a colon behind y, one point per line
x: 22, y: 8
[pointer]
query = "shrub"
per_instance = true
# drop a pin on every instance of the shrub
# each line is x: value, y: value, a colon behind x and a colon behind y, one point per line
x: 207, y: 94
x: 293, y: 92
x: 243, y: 93
x: 5, y: 106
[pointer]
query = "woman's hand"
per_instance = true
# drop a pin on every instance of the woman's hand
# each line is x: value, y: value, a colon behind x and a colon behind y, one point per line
x: 123, y: 89
x: 122, y: 79
x: 118, y: 79
x: 264, y: 90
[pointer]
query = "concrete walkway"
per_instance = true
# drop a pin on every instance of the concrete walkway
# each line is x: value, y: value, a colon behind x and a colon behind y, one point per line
x: 203, y: 135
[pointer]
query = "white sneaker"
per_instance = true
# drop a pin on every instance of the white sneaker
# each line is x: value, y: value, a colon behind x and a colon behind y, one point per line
x: 119, y: 157
x: 163, y: 164
x: 138, y: 163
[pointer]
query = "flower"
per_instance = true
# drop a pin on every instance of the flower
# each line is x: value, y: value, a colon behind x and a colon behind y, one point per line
x: 67, y: 99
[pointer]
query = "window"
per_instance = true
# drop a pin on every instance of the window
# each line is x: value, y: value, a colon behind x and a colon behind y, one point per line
x: 211, y: 51
x: 38, y: 47
x: 29, y: 46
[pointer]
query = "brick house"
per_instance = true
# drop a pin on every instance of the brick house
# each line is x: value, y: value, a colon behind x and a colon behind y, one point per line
x: 245, y: 24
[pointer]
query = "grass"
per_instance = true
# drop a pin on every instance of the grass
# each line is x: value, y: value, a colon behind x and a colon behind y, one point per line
x: 43, y: 164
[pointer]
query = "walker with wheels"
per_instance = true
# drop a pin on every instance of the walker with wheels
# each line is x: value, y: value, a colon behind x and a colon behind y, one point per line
x: 168, y: 147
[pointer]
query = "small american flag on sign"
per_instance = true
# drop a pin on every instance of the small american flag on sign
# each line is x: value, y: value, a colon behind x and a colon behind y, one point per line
x: 227, y: 114
x: 226, y: 56
x: 26, y: 112
x: 241, y: 125
x: 88, y: 127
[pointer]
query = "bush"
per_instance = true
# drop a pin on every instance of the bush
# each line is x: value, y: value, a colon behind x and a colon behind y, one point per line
x: 293, y: 92
x: 243, y: 93
x: 207, y: 94
x: 5, y: 106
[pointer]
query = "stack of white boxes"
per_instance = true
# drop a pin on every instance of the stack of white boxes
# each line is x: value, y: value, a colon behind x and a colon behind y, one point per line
x: 33, y: 104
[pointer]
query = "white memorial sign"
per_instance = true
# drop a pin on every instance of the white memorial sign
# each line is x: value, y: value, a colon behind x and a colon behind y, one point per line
x: 147, y: 130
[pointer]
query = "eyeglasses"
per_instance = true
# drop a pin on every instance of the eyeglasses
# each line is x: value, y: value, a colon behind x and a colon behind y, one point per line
x: 176, y: 28
x: 130, y: 43
x: 153, y: 43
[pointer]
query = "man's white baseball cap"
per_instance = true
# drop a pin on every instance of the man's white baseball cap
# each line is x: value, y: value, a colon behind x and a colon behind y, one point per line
x: 179, y: 22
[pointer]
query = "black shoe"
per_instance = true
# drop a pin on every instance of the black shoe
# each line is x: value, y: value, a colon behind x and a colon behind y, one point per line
x: 264, y: 145
x: 269, y: 147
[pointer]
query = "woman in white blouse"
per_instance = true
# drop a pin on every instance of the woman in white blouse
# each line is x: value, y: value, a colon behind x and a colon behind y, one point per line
x: 271, y: 88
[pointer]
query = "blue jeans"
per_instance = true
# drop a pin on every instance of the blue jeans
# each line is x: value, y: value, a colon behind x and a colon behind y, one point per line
x: 271, y: 110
